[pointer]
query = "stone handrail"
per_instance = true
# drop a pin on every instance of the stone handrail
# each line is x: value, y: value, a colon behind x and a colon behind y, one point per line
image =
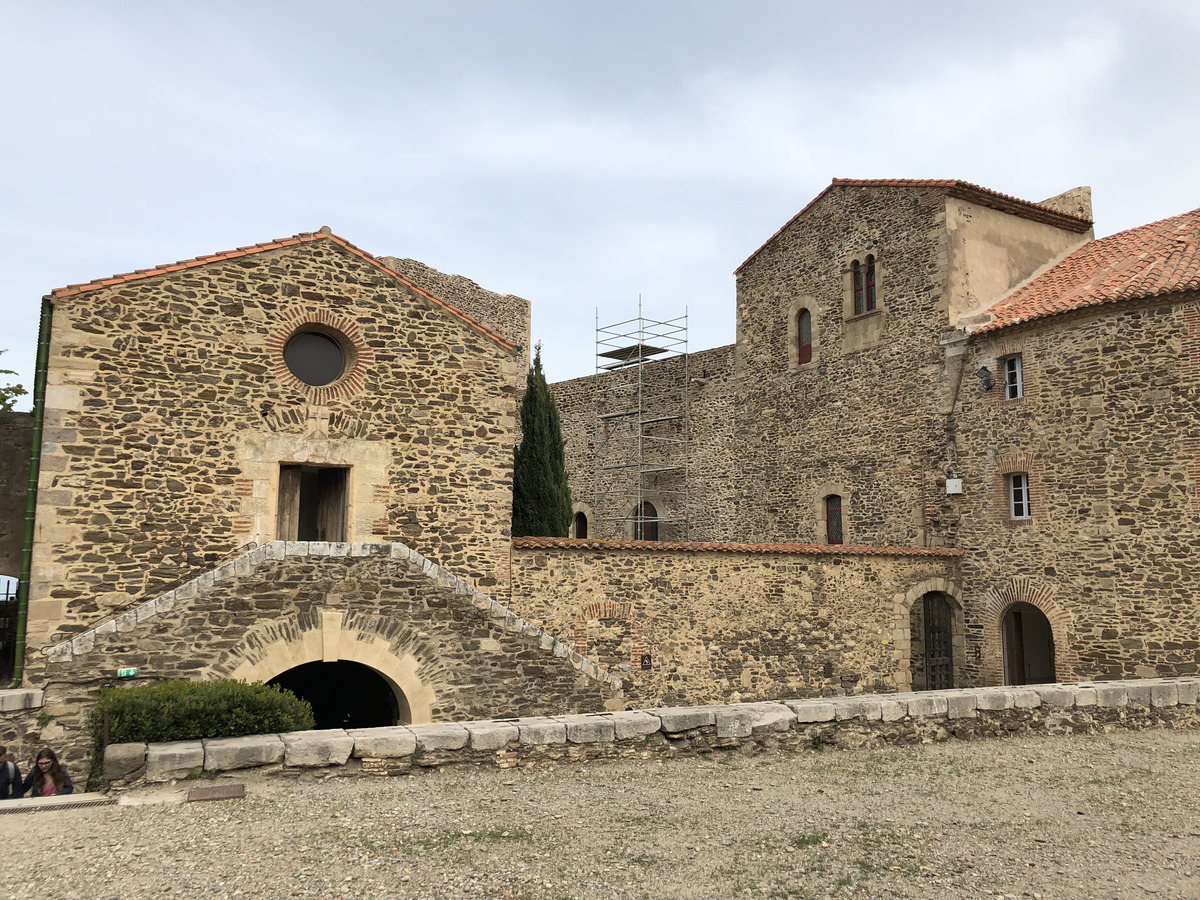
x: 787, y: 725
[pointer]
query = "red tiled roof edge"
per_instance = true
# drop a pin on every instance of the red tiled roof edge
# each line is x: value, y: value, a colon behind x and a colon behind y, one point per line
x: 554, y: 543
x: 962, y: 189
x: 73, y: 290
x: 1141, y: 263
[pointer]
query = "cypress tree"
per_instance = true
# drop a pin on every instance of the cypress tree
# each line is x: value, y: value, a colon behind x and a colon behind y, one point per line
x: 541, y: 496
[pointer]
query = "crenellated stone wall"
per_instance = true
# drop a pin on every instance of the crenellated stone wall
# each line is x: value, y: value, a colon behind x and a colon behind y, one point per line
x: 702, y: 623
x: 170, y: 410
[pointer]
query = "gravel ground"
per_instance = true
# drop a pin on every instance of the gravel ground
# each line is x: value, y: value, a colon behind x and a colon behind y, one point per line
x: 1067, y: 817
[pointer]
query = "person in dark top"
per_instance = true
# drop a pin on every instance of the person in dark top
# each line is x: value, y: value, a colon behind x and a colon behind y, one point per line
x: 48, y: 778
x: 10, y: 777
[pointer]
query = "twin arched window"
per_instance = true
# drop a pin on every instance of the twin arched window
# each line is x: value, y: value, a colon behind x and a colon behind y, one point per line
x: 863, y: 279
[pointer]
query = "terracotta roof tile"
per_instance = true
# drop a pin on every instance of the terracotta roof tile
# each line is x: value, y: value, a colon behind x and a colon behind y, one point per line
x: 954, y: 188
x: 553, y: 543
x: 74, y: 290
x: 1149, y: 261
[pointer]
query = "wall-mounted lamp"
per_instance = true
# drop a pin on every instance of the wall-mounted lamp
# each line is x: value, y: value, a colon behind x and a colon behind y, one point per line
x: 985, y: 379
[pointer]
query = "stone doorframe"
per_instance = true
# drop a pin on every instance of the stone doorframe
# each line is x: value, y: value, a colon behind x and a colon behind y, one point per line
x: 998, y: 601
x: 902, y: 633
x: 267, y: 652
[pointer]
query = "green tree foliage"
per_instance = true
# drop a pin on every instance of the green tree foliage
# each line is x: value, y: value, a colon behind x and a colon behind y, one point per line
x: 541, y: 496
x: 9, y: 392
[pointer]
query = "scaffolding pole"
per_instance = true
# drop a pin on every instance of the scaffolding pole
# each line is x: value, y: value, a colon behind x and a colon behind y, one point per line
x: 642, y: 428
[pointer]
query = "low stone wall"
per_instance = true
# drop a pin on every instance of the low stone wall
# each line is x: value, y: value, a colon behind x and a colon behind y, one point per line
x: 793, y: 725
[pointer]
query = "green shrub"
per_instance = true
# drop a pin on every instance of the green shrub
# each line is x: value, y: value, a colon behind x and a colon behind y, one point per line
x: 179, y: 710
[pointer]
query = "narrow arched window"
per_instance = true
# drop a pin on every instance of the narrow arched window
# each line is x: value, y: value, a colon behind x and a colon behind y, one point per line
x: 869, y: 290
x: 857, y: 278
x: 645, y: 525
x: 804, y: 336
x: 580, y: 526
x: 833, y: 520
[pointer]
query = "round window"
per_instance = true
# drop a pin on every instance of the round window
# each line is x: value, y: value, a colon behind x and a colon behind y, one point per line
x: 314, y: 358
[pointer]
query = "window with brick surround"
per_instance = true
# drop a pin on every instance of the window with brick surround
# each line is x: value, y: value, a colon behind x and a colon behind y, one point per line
x: 1018, y: 496
x: 1013, y: 372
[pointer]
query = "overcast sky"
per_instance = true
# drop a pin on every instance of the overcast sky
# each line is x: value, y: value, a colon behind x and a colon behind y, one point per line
x: 575, y: 153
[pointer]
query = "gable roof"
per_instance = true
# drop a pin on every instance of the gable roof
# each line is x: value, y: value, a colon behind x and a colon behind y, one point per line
x: 74, y: 290
x: 952, y: 188
x: 1149, y: 261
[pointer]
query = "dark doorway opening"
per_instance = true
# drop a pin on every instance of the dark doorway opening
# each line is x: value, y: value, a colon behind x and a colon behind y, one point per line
x: 1028, y: 646
x: 312, y: 503
x: 939, y: 642
x: 346, y: 694
x: 580, y: 525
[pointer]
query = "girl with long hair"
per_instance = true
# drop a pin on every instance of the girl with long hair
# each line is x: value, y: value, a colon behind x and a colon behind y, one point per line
x: 48, y: 778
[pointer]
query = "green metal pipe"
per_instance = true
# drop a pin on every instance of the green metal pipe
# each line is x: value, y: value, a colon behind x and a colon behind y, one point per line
x: 35, y: 467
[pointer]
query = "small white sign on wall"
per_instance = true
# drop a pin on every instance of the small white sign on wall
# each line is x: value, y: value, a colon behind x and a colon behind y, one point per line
x: 954, y: 486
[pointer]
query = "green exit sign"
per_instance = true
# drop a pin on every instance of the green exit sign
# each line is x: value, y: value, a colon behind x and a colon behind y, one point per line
x: 127, y: 673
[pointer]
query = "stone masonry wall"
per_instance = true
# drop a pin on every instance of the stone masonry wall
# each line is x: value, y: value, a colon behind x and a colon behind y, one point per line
x: 170, y: 409
x: 16, y: 445
x: 734, y: 622
x: 506, y: 314
x: 1110, y: 439
x: 865, y: 419
x: 454, y: 652
x: 710, y: 405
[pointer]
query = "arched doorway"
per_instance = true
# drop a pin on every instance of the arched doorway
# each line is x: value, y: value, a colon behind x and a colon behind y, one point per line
x: 932, y: 643
x: 346, y: 694
x: 1028, y: 645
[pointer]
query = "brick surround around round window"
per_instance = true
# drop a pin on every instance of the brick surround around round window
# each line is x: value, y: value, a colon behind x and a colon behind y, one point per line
x: 359, y: 356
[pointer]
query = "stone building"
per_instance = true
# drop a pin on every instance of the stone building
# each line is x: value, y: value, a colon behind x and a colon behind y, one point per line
x: 287, y: 462
x: 933, y: 364
x: 954, y: 443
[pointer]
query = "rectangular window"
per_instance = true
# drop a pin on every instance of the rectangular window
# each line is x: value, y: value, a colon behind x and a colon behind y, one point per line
x: 834, y: 533
x: 1014, y: 378
x: 1018, y: 493
x: 312, y: 503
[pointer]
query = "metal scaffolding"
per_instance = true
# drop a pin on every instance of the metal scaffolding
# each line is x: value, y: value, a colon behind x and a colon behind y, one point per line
x: 642, y: 429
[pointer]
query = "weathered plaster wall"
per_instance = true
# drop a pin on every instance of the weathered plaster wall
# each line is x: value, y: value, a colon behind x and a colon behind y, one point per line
x: 1108, y: 433
x: 170, y: 409
x: 16, y: 445
x: 734, y: 623
x: 991, y: 252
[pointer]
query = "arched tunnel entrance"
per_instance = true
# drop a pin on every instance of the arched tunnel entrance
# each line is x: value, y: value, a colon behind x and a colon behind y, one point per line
x: 346, y: 694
